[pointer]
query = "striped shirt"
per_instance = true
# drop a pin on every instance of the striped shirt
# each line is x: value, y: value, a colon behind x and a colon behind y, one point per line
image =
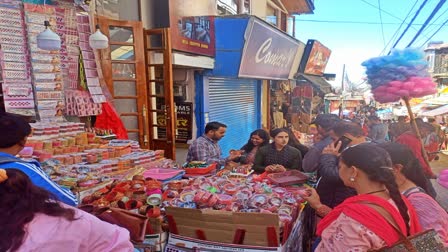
x: 39, y: 178
x: 205, y: 149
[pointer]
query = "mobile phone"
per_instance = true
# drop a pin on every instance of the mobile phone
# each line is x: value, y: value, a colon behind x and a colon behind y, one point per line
x: 345, y: 141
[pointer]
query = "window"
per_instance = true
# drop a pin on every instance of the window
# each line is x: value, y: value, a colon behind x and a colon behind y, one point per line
x: 271, y: 15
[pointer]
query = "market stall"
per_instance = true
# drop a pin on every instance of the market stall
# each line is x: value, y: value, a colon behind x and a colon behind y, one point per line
x: 232, y: 209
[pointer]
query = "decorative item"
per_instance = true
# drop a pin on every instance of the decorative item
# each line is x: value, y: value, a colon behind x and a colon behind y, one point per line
x: 48, y: 40
x: 98, y: 40
x: 401, y: 75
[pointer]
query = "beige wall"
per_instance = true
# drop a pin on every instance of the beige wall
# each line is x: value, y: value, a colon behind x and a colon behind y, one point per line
x: 258, y: 8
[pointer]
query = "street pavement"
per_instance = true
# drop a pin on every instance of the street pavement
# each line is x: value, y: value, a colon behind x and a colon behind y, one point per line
x: 442, y: 192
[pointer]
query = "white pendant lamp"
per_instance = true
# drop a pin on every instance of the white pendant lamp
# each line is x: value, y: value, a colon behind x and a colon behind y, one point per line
x: 48, y: 40
x: 98, y: 40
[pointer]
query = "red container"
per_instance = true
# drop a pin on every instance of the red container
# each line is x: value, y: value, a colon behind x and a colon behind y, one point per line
x: 288, y: 178
x: 201, y: 171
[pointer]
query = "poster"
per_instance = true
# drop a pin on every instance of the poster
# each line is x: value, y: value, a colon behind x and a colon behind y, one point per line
x: 184, y: 123
x: 191, y: 29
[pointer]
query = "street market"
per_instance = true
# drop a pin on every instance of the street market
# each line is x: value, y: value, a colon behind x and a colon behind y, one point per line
x: 208, y: 125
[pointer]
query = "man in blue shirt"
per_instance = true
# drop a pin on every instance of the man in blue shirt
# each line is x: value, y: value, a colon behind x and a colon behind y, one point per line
x: 14, y: 131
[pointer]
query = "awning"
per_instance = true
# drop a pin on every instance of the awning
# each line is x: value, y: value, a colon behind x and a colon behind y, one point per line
x: 317, y: 81
x: 435, y: 112
x: 442, y: 100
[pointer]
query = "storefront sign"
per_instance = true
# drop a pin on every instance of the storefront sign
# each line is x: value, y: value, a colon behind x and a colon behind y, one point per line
x: 268, y: 53
x: 315, y: 58
x: 184, y: 122
x: 189, y: 31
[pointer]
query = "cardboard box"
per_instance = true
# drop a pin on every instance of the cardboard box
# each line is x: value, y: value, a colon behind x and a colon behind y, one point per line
x: 180, y: 243
x: 220, y: 226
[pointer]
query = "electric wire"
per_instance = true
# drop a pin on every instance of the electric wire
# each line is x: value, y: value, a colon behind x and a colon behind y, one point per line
x: 354, y: 22
x: 399, y: 28
x: 408, y: 26
x: 434, y: 12
x: 440, y: 28
x: 381, y: 20
x: 429, y: 31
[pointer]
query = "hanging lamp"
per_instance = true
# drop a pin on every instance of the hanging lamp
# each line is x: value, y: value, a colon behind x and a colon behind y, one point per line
x: 98, y: 40
x: 48, y: 39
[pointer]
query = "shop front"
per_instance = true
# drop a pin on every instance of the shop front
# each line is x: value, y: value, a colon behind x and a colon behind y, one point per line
x: 249, y: 55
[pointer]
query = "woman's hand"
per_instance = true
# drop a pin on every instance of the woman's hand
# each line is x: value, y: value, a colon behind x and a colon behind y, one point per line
x: 275, y: 168
x: 312, y: 197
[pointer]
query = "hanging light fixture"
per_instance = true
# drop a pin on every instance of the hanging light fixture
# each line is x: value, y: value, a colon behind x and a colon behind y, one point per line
x: 48, y: 40
x: 98, y: 40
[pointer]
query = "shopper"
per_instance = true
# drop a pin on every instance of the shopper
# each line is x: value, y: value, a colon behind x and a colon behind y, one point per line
x: 410, y: 139
x: 257, y: 139
x: 324, y: 124
x: 277, y: 156
x: 378, y: 131
x: 206, y: 147
x: 412, y: 184
x: 356, y: 224
x: 33, y: 220
x: 14, y: 133
x: 330, y: 186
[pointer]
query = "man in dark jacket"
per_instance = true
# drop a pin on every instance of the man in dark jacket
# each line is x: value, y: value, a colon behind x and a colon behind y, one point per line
x: 330, y: 187
x: 324, y: 124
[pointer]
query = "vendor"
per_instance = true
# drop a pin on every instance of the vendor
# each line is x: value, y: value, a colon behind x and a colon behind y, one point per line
x: 206, y: 148
x: 277, y: 156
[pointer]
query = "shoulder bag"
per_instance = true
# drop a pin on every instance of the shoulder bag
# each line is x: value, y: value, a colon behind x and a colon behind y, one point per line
x: 426, y: 241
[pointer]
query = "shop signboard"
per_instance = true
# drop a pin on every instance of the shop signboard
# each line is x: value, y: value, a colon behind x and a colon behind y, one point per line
x: 268, y: 52
x: 191, y: 31
x: 315, y: 58
x: 184, y: 122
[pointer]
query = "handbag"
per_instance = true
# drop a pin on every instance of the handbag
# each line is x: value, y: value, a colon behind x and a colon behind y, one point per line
x: 426, y: 241
x: 134, y: 223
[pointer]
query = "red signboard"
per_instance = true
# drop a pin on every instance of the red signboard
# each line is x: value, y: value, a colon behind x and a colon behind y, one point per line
x: 315, y: 58
x: 268, y: 53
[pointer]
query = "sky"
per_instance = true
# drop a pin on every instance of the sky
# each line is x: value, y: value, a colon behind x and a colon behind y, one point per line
x: 352, y: 30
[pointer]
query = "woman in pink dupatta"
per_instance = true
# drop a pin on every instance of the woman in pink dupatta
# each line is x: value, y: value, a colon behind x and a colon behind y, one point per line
x: 412, y: 184
x: 355, y: 225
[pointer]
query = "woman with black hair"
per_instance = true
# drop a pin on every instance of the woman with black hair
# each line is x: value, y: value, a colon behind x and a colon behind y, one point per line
x: 277, y: 156
x: 33, y: 220
x: 412, y: 183
x: 358, y: 224
x: 257, y: 139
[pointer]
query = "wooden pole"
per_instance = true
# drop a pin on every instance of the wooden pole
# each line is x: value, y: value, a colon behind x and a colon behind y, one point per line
x: 416, y: 129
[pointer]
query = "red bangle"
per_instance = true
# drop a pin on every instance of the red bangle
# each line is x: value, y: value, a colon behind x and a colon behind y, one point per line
x: 323, y: 210
x: 153, y: 212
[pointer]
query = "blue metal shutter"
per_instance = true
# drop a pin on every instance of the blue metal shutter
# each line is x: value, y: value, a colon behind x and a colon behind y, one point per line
x: 236, y: 103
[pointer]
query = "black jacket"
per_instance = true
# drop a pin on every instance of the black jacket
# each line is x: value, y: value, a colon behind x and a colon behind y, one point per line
x: 331, y: 189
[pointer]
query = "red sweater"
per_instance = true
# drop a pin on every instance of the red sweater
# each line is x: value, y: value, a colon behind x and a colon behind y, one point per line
x: 410, y: 139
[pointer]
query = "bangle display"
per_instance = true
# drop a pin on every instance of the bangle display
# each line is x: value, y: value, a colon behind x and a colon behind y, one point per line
x: 154, y: 199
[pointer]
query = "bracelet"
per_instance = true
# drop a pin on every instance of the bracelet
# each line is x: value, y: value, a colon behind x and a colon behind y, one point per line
x: 323, y: 210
